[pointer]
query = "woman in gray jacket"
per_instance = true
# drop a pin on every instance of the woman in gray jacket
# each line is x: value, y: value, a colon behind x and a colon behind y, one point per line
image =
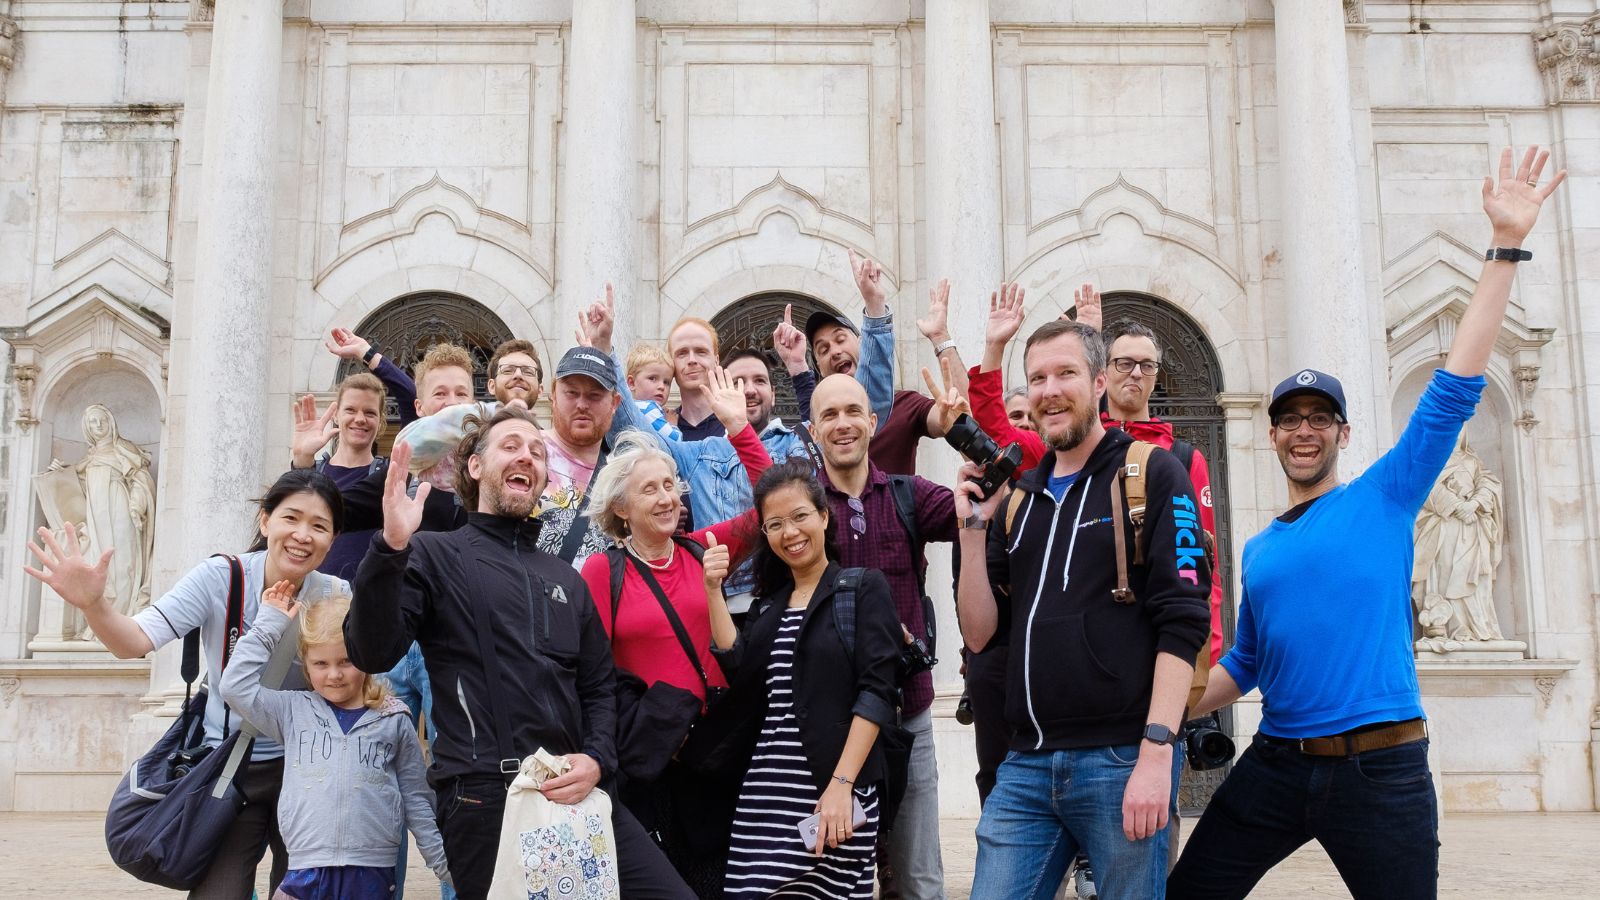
x: 353, y: 775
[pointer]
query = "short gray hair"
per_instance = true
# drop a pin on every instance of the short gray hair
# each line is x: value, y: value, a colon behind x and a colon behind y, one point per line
x: 1094, y: 348
x: 1020, y: 390
x: 611, y: 482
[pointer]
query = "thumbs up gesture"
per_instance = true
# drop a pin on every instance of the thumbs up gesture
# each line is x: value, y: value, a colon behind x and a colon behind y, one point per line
x: 715, y: 562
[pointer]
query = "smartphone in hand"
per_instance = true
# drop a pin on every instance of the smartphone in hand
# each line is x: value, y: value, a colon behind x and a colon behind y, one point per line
x: 810, y: 824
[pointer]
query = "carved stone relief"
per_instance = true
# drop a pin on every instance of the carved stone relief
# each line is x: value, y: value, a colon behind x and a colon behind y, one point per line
x: 1569, y: 56
x: 1460, y: 537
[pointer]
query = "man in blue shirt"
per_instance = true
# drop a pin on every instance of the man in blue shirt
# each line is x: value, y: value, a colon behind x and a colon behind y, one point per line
x: 1325, y: 626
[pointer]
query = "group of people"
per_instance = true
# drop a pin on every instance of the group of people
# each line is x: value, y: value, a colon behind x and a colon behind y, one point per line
x: 722, y: 618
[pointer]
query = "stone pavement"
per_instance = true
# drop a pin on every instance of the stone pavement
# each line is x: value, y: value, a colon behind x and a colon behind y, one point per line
x: 61, y: 855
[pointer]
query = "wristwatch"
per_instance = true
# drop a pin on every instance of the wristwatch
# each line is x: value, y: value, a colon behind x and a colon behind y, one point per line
x: 942, y: 346
x: 974, y: 522
x: 1507, y: 254
x: 1157, y: 733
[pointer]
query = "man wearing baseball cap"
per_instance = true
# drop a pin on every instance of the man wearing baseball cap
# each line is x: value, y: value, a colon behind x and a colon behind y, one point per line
x: 1325, y: 622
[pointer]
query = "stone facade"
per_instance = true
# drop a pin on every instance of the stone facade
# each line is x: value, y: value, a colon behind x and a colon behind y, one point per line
x: 191, y: 196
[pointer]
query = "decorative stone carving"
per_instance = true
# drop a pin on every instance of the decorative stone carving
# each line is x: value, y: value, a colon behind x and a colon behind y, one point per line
x: 1460, y: 537
x: 112, y: 502
x: 1547, y: 689
x: 1569, y: 56
x: 9, y: 685
x: 1527, y: 381
x: 26, y: 376
x: 1355, y: 12
x: 8, y: 42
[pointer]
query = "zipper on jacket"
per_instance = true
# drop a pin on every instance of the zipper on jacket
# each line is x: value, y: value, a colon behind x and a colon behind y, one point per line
x: 472, y: 727
x: 527, y: 585
x: 1027, y: 635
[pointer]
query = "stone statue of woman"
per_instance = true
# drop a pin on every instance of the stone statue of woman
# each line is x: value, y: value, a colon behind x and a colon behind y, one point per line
x: 120, y: 507
x: 1459, y: 540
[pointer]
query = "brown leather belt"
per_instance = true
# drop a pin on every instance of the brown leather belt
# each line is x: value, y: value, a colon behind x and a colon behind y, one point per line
x: 1350, y: 743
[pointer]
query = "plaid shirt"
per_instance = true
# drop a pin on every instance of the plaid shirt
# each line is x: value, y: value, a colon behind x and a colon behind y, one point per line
x: 885, y: 546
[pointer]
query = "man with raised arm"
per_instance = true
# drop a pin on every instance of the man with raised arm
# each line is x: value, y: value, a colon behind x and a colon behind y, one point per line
x: 1325, y: 621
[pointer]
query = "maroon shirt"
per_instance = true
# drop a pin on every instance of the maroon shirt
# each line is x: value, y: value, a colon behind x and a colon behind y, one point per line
x: 885, y: 546
x: 894, y: 447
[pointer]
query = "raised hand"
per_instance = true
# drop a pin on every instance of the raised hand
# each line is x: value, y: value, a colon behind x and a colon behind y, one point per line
x: 866, y: 273
x: 346, y: 344
x: 402, y: 514
x: 66, y: 571
x: 596, y: 323
x: 281, y: 598
x: 727, y: 400
x: 1005, y: 314
x: 935, y: 323
x: 790, y: 342
x: 1513, y: 204
x: 949, y: 401
x: 311, y: 431
x: 715, y: 562
x: 1087, y: 301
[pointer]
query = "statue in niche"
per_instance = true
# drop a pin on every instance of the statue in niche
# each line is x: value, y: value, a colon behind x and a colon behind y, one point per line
x: 1460, y: 536
x: 113, y: 506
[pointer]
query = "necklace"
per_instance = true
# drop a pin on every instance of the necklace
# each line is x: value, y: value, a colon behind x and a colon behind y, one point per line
x: 672, y: 550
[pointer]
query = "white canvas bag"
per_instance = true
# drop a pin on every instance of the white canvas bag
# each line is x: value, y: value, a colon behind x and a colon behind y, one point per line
x: 553, y: 851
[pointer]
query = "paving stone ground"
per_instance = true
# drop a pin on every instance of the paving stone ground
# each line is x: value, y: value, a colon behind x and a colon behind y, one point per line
x: 62, y: 856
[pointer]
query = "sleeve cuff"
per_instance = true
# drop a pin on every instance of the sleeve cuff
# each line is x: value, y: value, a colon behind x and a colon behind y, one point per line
x: 1245, y: 680
x: 873, y: 708
x: 1180, y: 645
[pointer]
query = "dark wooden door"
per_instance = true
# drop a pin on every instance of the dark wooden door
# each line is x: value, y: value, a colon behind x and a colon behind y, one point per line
x: 749, y: 323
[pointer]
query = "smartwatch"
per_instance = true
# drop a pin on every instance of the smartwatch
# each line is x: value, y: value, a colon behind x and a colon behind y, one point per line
x: 1157, y: 733
x: 372, y: 350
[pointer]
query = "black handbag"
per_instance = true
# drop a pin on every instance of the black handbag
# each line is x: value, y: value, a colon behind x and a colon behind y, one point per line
x: 170, y: 812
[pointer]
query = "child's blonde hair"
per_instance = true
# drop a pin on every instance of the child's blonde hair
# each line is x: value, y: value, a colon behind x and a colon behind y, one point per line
x: 646, y: 353
x: 323, y: 623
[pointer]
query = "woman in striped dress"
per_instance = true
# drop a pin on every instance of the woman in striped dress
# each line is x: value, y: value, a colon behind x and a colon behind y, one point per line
x: 818, y: 697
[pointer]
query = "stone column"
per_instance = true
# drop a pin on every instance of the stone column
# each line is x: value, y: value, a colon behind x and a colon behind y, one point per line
x: 1330, y: 316
x: 596, y: 242
x: 224, y: 427
x: 8, y: 48
x: 962, y: 169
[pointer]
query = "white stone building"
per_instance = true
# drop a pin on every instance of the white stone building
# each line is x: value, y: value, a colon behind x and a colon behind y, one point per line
x: 191, y: 196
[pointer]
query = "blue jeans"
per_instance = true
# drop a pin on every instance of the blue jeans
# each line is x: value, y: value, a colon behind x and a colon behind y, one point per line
x: 1048, y: 805
x: 1375, y: 813
x: 408, y: 681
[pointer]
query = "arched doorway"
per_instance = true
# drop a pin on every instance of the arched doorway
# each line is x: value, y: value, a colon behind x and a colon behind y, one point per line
x: 749, y: 323
x: 1186, y: 395
x: 404, y: 328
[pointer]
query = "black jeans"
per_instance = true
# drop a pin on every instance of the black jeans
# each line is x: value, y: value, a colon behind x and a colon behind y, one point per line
x: 470, y: 810
x: 232, y: 875
x: 986, y: 689
x: 1374, y: 813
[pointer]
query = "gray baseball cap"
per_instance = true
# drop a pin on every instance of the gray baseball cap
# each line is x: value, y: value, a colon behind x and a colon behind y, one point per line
x: 590, y: 363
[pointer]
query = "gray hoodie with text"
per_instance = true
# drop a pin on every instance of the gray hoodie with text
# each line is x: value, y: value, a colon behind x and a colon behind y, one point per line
x: 346, y: 798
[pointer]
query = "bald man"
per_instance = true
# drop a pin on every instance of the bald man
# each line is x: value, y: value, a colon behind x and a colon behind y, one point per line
x: 870, y: 534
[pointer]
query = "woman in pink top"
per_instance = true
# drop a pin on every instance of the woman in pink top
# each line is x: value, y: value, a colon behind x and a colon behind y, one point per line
x: 636, y: 499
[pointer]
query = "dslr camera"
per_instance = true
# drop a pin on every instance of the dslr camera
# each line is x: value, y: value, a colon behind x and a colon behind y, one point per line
x: 1205, y: 744
x: 915, y: 658
x: 999, y: 466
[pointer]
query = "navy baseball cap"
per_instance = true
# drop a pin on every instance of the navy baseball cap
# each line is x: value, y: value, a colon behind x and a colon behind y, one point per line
x: 820, y: 318
x: 590, y: 363
x: 1304, y: 382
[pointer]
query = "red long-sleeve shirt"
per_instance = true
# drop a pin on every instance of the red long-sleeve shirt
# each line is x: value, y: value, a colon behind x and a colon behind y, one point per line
x: 985, y: 392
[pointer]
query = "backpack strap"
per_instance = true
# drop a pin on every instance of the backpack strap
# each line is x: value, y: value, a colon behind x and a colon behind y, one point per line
x: 1128, y: 487
x: 844, y: 607
x: 905, y: 508
x: 1013, y: 503
x: 1184, y: 451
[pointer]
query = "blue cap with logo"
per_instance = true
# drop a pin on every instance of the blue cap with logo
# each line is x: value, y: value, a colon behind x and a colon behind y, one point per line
x: 590, y: 363
x: 1308, y: 382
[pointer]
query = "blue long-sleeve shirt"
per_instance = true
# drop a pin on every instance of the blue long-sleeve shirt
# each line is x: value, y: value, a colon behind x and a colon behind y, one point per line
x: 1325, y: 620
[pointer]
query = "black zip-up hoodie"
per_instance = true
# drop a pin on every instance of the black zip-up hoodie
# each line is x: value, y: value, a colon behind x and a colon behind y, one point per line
x: 556, y: 683
x: 1082, y: 665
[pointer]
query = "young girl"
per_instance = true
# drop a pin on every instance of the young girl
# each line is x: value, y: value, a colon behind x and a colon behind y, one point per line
x: 353, y: 775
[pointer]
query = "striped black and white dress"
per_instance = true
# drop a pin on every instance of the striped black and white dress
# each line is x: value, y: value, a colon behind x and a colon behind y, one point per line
x: 767, y: 857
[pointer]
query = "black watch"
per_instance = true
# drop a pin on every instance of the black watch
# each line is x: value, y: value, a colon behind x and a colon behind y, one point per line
x: 1507, y: 254
x: 1158, y: 733
x: 372, y: 351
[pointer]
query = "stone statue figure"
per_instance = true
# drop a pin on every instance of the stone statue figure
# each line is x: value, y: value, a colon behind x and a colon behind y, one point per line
x: 1459, y: 539
x: 118, y: 507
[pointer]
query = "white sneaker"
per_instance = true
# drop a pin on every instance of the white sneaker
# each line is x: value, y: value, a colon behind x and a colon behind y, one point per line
x: 1083, y: 880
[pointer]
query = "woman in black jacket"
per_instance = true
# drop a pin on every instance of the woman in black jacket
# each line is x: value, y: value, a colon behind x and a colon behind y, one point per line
x: 818, y: 695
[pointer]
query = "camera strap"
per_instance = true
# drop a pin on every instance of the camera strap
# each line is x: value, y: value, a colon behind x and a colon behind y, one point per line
x: 810, y: 444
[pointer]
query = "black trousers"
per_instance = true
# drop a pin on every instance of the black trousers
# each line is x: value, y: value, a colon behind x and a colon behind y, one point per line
x: 986, y: 688
x: 232, y: 875
x: 470, y: 810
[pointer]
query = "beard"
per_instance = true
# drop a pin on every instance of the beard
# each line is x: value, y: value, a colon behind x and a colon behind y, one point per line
x: 1070, y: 437
x: 516, y: 506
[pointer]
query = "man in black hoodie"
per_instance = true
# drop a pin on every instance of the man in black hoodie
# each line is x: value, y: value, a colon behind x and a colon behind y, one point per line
x: 516, y: 654
x: 1095, y: 688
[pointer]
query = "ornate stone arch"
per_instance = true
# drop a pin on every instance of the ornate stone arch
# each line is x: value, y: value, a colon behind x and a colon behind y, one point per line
x: 405, y: 327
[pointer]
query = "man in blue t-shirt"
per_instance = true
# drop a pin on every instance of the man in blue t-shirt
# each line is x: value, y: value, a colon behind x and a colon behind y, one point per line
x: 1325, y: 628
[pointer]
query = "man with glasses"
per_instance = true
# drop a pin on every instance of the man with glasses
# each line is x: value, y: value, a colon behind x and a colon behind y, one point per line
x: 871, y: 533
x: 1326, y: 623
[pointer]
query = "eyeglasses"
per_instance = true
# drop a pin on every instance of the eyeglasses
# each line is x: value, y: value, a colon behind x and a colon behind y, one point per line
x: 1126, y: 364
x: 800, y: 518
x: 1321, y: 421
x: 528, y: 371
x: 858, y: 516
